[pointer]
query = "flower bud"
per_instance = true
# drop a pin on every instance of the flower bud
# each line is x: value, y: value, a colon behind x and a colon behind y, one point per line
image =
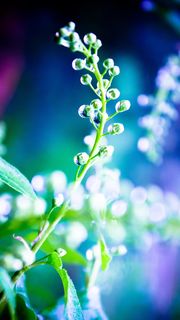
x: 96, y: 45
x: 86, y: 111
x: 81, y: 158
x: 71, y: 26
x: 90, y: 38
x: 75, y: 46
x: 78, y: 64
x: 98, y: 117
x: 96, y: 104
x: 114, y: 71
x: 93, y: 58
x: 122, y: 105
x: 74, y: 37
x: 58, y: 200
x: 65, y: 31
x: 108, y: 63
x: 113, y: 94
x: 61, y: 41
x: 116, y: 128
x: 86, y: 79
x: 106, y: 151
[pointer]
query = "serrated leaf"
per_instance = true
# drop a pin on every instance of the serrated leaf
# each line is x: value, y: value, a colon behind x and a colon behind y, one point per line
x: 15, y: 179
x: 73, y: 309
x: 105, y: 256
x: 7, y: 286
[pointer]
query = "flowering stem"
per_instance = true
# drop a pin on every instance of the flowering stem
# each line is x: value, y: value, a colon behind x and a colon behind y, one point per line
x: 100, y: 130
x: 60, y: 214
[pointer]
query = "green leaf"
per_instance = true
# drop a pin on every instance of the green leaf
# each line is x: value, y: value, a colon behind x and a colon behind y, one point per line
x: 105, y: 256
x: 15, y: 179
x: 55, y: 261
x: 73, y: 309
x: 23, y: 311
x: 7, y: 286
x: 74, y: 257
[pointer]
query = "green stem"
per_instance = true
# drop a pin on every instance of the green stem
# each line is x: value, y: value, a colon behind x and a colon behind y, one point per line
x: 94, y: 273
x: 51, y: 227
x: 112, y: 116
x: 60, y: 214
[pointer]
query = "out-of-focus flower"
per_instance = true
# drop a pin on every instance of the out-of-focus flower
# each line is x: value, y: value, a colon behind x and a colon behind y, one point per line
x: 157, y: 123
x: 5, y: 206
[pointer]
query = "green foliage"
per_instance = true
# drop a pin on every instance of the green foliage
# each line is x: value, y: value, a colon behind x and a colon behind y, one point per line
x: 23, y: 311
x: 96, y: 112
x: 105, y: 255
x: 72, y: 305
x: 15, y: 179
x: 7, y: 286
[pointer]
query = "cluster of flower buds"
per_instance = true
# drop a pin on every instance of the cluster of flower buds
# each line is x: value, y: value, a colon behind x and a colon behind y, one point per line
x: 67, y: 37
x: 158, y: 121
x: 101, y: 86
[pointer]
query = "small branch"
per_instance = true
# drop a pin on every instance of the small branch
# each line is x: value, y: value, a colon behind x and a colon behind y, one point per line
x: 93, y: 89
x: 112, y: 116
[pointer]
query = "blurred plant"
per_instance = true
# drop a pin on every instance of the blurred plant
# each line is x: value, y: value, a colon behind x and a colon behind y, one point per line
x: 167, y: 10
x: 129, y: 217
x: 29, y: 204
x: 163, y: 111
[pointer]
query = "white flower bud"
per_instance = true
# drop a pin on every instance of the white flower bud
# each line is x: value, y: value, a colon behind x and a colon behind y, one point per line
x: 78, y: 64
x: 122, y: 105
x: 63, y: 42
x: 93, y: 59
x: 90, y: 38
x: 58, y: 200
x: 116, y: 128
x: 113, y: 94
x: 96, y: 104
x: 106, y: 151
x: 74, y: 37
x: 65, y: 31
x: 97, y: 44
x: 75, y: 46
x: 81, y: 158
x: 98, y: 117
x: 86, y: 79
x: 86, y: 111
x: 114, y: 71
x: 108, y: 63
x: 71, y: 25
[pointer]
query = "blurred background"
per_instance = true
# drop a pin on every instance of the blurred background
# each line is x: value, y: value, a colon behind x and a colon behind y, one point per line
x: 39, y: 97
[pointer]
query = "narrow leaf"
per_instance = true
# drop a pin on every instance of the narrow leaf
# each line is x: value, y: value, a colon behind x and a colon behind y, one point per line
x: 73, y: 309
x: 15, y: 179
x: 7, y: 286
x: 105, y: 256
